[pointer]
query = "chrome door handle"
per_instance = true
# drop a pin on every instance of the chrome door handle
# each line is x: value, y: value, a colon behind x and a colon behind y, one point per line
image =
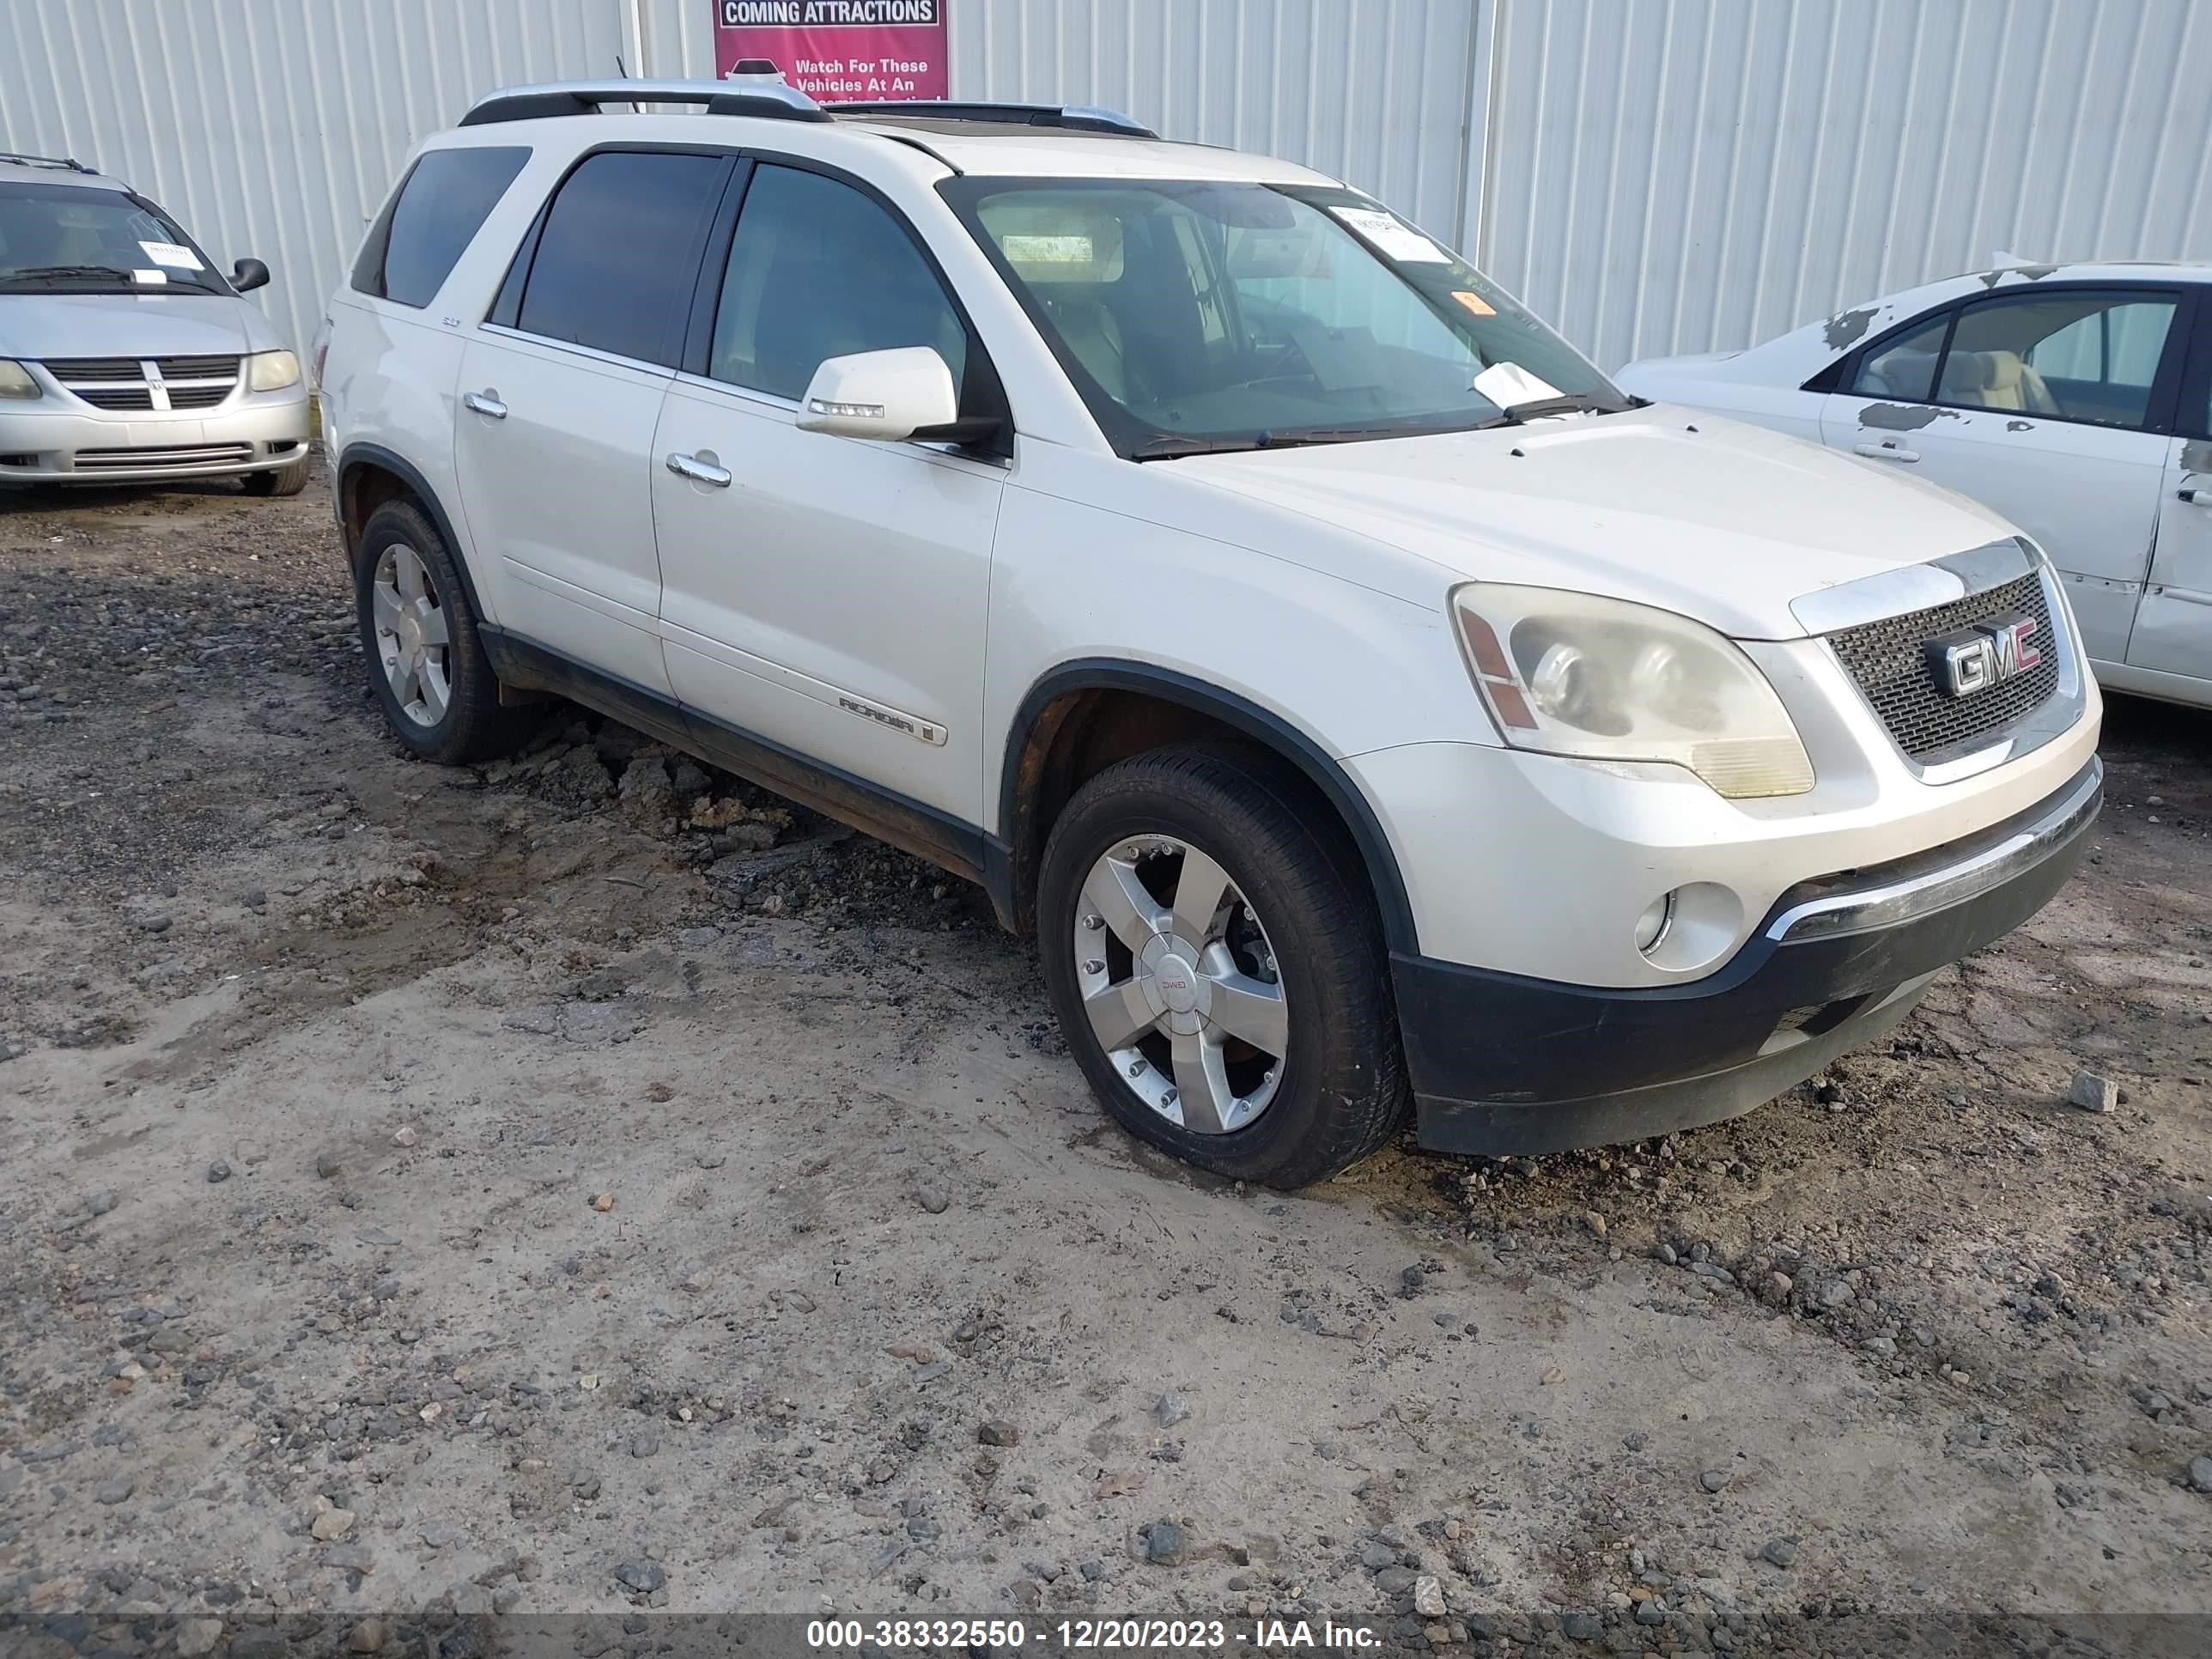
x: 485, y: 403
x: 2197, y: 495
x: 701, y: 468
x: 1888, y: 452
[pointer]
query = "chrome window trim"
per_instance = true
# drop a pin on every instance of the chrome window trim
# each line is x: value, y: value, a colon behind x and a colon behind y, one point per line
x: 574, y: 349
x: 768, y: 401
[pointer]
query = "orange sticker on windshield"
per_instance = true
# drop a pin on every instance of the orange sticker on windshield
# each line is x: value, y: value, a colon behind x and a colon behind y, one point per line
x: 1474, y: 302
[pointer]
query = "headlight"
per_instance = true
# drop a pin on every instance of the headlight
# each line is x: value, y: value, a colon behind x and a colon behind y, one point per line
x: 1603, y: 679
x: 15, y: 382
x: 272, y: 371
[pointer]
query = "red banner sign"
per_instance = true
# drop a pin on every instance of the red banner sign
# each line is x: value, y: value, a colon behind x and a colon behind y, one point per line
x: 838, y: 50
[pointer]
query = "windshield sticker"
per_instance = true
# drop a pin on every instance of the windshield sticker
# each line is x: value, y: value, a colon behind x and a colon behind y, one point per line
x: 171, y: 254
x: 1049, y: 250
x: 150, y: 278
x: 1508, y: 385
x: 1391, y: 236
x: 1474, y: 302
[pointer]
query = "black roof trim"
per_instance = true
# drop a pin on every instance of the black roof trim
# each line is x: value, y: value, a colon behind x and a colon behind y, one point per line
x: 64, y: 163
x: 771, y: 101
x: 1073, y: 117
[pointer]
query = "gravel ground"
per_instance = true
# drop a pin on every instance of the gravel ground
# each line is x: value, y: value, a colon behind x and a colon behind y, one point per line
x: 583, y: 1185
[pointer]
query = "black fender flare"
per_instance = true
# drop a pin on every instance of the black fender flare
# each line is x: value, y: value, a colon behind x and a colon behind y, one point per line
x: 358, y: 455
x: 1010, y: 855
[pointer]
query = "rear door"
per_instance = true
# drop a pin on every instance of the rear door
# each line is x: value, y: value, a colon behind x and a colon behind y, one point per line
x: 2051, y: 406
x: 2173, y: 624
x: 561, y: 389
x: 828, y: 594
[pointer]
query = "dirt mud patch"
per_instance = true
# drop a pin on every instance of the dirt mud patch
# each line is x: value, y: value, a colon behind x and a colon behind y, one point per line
x: 610, y: 1189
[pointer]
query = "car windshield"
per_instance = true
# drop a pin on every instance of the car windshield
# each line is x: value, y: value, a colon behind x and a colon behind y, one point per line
x: 75, y: 238
x: 1204, y: 316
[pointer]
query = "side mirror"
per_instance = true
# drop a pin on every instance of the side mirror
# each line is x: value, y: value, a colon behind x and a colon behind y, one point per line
x: 248, y: 274
x: 888, y: 396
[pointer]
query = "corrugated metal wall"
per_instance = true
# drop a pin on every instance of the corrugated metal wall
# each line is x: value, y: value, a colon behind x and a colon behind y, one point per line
x: 1652, y: 175
x: 1672, y: 175
x: 1374, y: 91
x: 274, y: 127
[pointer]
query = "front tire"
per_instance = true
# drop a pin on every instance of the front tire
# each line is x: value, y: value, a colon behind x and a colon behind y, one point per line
x: 426, y: 662
x: 278, y: 481
x: 1219, y: 968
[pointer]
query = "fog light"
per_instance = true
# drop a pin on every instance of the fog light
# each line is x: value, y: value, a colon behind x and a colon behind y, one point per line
x: 1651, y: 927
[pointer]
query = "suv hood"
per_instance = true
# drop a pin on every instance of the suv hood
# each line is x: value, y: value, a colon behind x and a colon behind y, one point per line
x: 130, y: 324
x: 1707, y: 517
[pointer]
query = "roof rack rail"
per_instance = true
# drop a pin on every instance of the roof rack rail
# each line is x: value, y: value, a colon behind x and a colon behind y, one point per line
x: 754, y: 96
x: 1080, y: 118
x: 65, y: 163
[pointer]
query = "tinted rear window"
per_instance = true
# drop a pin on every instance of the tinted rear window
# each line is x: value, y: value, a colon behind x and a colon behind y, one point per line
x: 448, y: 196
x: 619, y: 252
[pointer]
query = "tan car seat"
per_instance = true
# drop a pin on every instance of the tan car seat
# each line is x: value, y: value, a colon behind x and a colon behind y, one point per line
x: 1995, y: 379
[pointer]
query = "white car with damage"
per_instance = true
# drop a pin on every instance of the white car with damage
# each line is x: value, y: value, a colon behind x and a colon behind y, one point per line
x: 1371, y: 712
x: 2076, y: 400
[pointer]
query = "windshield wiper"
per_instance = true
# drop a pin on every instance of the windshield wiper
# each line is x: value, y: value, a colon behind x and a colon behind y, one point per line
x: 1573, y: 403
x: 1166, y: 448
x: 95, y: 273
x: 1170, y: 449
x: 64, y: 273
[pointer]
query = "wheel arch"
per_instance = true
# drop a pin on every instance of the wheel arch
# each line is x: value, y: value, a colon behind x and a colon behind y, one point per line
x: 1047, y: 726
x: 368, y: 476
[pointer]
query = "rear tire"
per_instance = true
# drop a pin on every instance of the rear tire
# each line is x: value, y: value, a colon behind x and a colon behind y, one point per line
x: 278, y: 481
x: 426, y: 662
x: 1311, y: 1079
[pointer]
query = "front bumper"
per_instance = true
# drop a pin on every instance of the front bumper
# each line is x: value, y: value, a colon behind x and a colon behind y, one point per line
x: 48, y: 442
x: 1503, y: 1064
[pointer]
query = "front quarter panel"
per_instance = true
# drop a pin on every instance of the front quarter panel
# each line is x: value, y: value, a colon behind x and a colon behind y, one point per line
x: 1089, y: 567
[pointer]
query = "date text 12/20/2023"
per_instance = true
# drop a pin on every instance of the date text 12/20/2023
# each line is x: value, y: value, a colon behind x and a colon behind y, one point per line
x: 1084, y: 1635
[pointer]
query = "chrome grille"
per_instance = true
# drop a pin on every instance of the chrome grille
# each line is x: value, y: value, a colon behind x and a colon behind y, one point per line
x: 146, y: 384
x: 1888, y: 659
x: 198, y: 368
x: 198, y: 397
x: 115, y: 383
x: 115, y: 396
x: 94, y: 368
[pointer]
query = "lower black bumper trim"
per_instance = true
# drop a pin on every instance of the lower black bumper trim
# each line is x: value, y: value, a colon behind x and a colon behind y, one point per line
x: 1499, y: 1129
x: 1501, y: 1063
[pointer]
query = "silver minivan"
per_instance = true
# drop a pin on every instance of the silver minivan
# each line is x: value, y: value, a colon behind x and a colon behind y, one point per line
x: 125, y: 356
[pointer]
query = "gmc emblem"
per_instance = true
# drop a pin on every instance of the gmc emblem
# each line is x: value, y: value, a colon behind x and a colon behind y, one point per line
x: 1989, y: 653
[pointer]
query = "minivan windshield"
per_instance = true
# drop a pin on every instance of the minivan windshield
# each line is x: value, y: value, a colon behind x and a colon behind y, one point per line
x: 1199, y: 316
x: 78, y: 239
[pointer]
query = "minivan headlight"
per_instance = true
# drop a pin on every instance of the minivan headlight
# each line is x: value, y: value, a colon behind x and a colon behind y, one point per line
x: 1569, y: 673
x: 272, y: 371
x: 15, y: 382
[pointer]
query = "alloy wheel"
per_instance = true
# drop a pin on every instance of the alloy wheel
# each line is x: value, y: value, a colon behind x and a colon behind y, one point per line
x: 1180, y: 985
x: 412, y: 639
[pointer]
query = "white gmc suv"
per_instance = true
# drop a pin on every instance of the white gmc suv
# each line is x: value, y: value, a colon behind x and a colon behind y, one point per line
x: 1368, y: 705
